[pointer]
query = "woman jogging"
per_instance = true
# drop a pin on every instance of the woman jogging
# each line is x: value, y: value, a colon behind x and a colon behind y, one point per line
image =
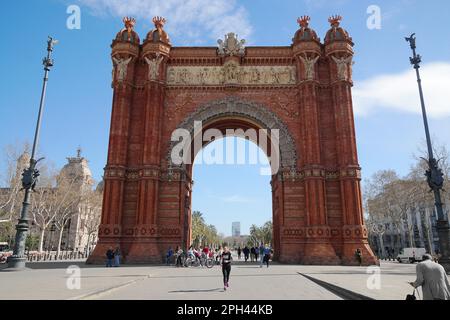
x: 226, y: 267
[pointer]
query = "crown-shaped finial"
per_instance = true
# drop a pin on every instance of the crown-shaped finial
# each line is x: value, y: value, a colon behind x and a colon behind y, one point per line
x: 303, y: 21
x: 129, y: 22
x: 335, y: 20
x: 159, y: 21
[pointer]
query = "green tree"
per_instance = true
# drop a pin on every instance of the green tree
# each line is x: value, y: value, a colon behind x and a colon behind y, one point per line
x: 202, y: 233
x: 7, y: 232
x: 260, y: 234
x: 32, y: 242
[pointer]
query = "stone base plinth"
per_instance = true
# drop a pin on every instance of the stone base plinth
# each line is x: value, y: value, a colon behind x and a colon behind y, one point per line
x: 319, y: 252
x: 98, y: 256
x: 349, y: 258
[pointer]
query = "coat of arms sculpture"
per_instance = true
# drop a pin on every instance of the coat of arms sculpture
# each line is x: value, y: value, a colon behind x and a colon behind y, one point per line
x: 231, y: 46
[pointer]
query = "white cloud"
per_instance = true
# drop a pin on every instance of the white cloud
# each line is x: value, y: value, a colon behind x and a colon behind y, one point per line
x: 399, y: 91
x: 186, y: 19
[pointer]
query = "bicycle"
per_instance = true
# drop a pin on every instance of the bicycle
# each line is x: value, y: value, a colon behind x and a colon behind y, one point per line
x: 191, y: 262
x: 208, y: 262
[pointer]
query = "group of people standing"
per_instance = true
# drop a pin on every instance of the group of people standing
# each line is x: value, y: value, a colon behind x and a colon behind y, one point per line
x: 200, y: 254
x: 113, y: 255
x: 263, y: 252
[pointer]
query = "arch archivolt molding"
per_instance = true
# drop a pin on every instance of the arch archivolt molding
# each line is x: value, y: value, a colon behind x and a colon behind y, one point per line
x: 255, y: 113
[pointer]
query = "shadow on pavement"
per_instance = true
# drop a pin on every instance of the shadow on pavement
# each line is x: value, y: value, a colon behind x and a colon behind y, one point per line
x: 80, y: 264
x: 361, y: 272
x: 118, y: 276
x: 197, y: 290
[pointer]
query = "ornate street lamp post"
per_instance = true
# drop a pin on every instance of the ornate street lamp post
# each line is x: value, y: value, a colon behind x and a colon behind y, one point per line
x: 30, y: 176
x: 435, y: 177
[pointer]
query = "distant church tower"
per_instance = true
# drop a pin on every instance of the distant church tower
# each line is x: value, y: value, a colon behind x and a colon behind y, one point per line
x: 75, y: 237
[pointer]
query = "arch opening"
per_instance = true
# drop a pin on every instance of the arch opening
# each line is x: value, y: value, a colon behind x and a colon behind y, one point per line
x: 232, y: 193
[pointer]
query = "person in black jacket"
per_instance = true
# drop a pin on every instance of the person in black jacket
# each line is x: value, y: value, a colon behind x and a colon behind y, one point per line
x: 226, y: 267
x: 109, y: 257
x: 246, y: 252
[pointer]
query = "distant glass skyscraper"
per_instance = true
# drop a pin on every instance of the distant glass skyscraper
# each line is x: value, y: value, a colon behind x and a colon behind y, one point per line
x: 236, y: 229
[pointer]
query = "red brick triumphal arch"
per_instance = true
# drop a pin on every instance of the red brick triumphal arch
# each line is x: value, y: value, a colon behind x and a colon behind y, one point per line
x: 303, y: 90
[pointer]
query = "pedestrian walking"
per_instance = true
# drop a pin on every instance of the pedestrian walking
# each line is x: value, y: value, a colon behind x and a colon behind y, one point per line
x: 179, y: 253
x: 246, y: 252
x: 432, y: 278
x: 261, y: 254
x: 252, y: 254
x: 117, y: 255
x: 358, y: 255
x: 226, y: 267
x: 109, y: 257
x: 169, y: 255
x: 267, y: 254
x: 239, y: 251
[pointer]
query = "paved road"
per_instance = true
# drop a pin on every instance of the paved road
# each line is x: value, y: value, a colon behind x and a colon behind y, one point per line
x: 248, y: 281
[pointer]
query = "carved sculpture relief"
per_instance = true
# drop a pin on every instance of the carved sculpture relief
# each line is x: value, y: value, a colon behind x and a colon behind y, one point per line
x: 121, y: 65
x: 231, y: 73
x: 153, y: 66
x: 309, y: 64
x: 231, y: 46
x: 343, y: 66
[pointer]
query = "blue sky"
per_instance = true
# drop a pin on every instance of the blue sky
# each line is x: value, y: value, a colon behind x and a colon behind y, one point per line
x: 388, y: 121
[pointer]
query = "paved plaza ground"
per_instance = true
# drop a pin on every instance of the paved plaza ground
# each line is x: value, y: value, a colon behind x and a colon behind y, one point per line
x: 48, y: 280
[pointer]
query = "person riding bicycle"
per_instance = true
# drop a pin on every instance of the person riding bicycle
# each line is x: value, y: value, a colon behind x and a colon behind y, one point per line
x: 198, y: 256
x: 190, y: 253
x: 206, y: 251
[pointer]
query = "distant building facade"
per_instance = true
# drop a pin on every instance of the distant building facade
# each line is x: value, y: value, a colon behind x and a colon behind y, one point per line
x: 236, y: 229
x: 76, y: 235
x: 419, y: 231
x: 80, y: 231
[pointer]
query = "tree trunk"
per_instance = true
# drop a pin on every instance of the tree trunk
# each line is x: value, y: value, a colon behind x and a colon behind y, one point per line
x: 411, y: 237
x: 410, y: 227
x: 88, y: 245
x: 41, y: 240
x: 392, y: 248
x: 382, y: 246
x: 58, y: 249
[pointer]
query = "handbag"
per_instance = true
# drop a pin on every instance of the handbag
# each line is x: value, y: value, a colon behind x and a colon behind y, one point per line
x: 411, y: 296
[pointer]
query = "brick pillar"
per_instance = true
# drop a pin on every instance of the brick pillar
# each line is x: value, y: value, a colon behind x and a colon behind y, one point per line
x: 308, y: 52
x: 154, y: 58
x: 110, y: 230
x: 277, y: 215
x: 318, y: 248
x: 354, y: 232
